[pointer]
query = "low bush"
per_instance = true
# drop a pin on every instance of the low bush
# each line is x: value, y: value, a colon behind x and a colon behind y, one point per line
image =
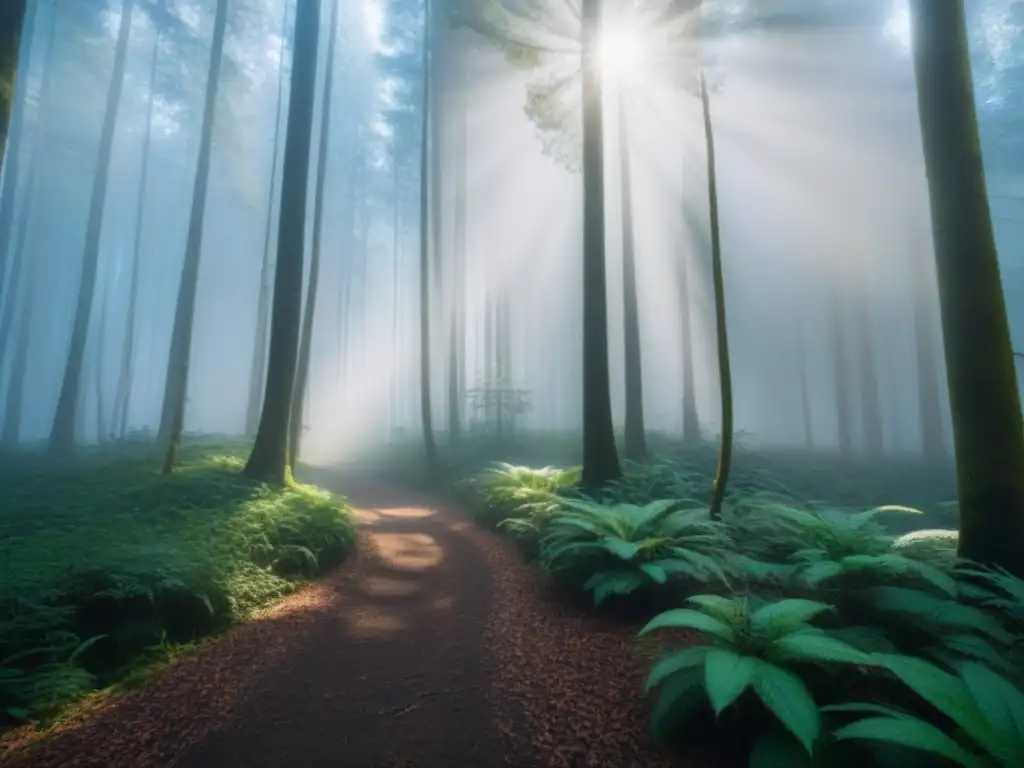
x: 106, y: 558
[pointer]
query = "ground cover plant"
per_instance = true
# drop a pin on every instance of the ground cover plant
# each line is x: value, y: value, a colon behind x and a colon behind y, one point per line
x: 837, y: 631
x: 105, y: 560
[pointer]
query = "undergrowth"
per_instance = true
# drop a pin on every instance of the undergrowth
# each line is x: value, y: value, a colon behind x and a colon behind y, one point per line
x: 108, y: 565
x: 810, y: 633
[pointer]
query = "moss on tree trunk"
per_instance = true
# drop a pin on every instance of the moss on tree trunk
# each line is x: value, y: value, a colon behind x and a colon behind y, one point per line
x: 984, y: 400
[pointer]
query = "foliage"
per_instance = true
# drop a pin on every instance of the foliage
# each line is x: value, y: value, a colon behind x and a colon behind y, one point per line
x: 620, y: 548
x: 517, y: 493
x: 106, y: 557
x: 985, y: 710
x: 755, y: 645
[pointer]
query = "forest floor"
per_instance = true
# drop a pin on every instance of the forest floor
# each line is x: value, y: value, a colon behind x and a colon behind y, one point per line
x: 435, y: 646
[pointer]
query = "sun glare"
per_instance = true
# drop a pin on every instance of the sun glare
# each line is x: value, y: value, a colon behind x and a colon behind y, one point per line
x: 621, y: 52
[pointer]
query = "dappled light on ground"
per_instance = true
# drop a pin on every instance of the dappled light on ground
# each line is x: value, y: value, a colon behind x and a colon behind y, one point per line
x: 407, y: 551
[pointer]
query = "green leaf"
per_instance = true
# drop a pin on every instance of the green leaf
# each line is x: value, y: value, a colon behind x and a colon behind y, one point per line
x: 676, y: 700
x: 685, y: 618
x: 778, y: 749
x: 624, y: 550
x: 1002, y: 706
x: 817, y: 648
x: 726, y: 676
x: 912, y: 733
x: 729, y: 610
x: 945, y: 692
x: 654, y: 572
x: 782, y: 616
x: 675, y: 662
x: 786, y: 696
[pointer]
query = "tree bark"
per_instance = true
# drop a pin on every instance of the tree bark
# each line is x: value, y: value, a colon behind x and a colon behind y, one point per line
x: 15, y: 25
x: 988, y: 432
x: 721, y: 331
x: 933, y: 443
x: 269, y: 458
x: 600, y: 455
x: 62, y: 433
x: 258, y: 373
x: 635, y: 438
x: 306, y: 337
x: 426, y: 417
x: 122, y: 400
x: 179, y: 358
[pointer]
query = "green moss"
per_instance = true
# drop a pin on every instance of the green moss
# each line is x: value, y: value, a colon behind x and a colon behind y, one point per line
x: 108, y: 546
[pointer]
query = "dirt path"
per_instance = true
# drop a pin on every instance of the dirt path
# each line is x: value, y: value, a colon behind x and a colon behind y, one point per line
x: 434, y: 647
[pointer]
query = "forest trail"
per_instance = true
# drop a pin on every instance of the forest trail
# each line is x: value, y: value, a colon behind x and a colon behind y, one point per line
x: 434, y: 646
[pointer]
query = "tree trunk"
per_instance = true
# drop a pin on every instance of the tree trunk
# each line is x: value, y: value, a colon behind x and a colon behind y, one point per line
x: 600, y: 456
x: 62, y: 433
x: 15, y: 395
x: 430, y: 449
x: 122, y: 400
x: 805, y: 393
x: 987, y: 428
x: 259, y: 353
x: 102, y: 430
x: 306, y: 338
x: 874, y: 444
x: 933, y: 443
x: 269, y: 458
x: 456, y: 319
x: 844, y: 418
x: 635, y: 439
x: 393, y: 390
x: 172, y: 419
x: 15, y: 24
x: 721, y: 332
x: 691, y: 421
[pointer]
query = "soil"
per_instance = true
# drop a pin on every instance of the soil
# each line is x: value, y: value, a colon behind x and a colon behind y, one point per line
x: 435, y: 646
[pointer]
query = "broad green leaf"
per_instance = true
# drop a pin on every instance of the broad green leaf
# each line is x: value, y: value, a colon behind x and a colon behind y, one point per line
x: 778, y: 749
x: 685, y: 618
x: 675, y: 662
x: 786, y: 696
x: 654, y: 572
x: 676, y: 700
x: 729, y: 610
x: 726, y: 676
x: 779, y: 617
x: 817, y: 648
x: 945, y: 692
x: 913, y: 733
x: 625, y: 550
x: 1002, y: 704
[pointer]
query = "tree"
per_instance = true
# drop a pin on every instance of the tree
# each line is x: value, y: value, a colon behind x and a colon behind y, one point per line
x: 306, y: 338
x: 988, y: 432
x: 122, y: 398
x: 62, y: 433
x: 635, y: 439
x: 258, y: 372
x: 426, y: 416
x: 721, y: 331
x: 269, y: 458
x: 12, y: 22
x: 12, y: 19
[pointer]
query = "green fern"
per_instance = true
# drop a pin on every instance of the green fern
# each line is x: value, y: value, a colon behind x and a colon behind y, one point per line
x: 753, y: 645
x: 986, y: 710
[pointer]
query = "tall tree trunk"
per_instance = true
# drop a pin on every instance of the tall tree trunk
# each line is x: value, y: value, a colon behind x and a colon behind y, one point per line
x: 269, y: 458
x: 871, y: 405
x: 844, y: 417
x: 933, y: 443
x: 18, y: 265
x: 426, y: 417
x: 600, y: 456
x: 15, y: 394
x: 102, y: 429
x: 306, y: 338
x: 635, y: 439
x: 258, y: 373
x: 122, y: 400
x: 456, y: 318
x: 15, y: 25
x: 691, y: 421
x: 393, y: 391
x: 62, y: 433
x: 987, y: 428
x: 721, y: 331
x: 805, y: 393
x: 179, y: 358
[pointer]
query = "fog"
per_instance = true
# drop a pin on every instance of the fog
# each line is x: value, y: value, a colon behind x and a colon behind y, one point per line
x: 822, y: 197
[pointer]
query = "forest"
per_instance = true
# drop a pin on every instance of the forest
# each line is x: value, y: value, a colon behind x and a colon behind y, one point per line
x: 547, y: 383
